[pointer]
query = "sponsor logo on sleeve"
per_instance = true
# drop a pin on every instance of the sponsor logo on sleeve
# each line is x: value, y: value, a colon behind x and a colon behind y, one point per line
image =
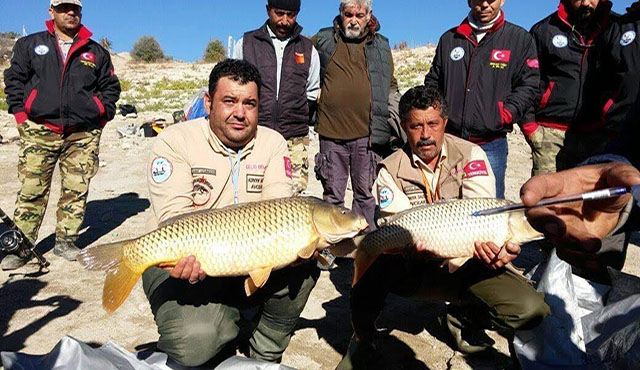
x: 201, y: 191
x: 161, y: 170
x: 627, y: 38
x: 457, y: 54
x: 41, y: 50
x: 88, y: 59
x: 500, y: 58
x: 560, y: 41
x: 385, y: 197
x: 288, y: 167
x: 533, y: 63
x: 476, y: 168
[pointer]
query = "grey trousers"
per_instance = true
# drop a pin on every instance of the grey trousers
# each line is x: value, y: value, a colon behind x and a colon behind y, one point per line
x: 340, y: 160
x: 196, y: 322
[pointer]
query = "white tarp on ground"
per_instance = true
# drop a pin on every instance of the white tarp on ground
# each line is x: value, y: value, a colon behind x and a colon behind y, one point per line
x: 591, y: 326
x: 71, y: 354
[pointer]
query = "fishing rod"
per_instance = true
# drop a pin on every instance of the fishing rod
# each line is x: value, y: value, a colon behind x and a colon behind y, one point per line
x: 13, y: 241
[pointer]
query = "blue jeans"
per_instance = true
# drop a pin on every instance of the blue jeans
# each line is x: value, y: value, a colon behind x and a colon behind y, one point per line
x: 497, y: 152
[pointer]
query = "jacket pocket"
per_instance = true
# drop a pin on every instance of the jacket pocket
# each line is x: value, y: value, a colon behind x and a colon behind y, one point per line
x: 30, y: 99
x: 99, y: 105
x: 321, y: 167
x: 506, y: 118
x: 544, y: 100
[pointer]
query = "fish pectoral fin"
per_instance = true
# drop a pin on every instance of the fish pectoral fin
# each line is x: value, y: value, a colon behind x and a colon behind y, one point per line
x: 455, y: 263
x: 308, y: 251
x: 256, y: 280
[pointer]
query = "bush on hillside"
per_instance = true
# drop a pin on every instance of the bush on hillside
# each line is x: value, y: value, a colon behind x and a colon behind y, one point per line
x: 214, y: 52
x: 106, y: 43
x: 147, y: 49
x: 402, y: 45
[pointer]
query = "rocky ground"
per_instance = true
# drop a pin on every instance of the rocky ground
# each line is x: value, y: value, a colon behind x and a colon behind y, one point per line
x: 37, y: 310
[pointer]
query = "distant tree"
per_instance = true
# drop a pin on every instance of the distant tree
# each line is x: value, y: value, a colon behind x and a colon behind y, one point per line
x: 9, y: 35
x: 402, y: 45
x: 147, y: 49
x: 214, y: 52
x: 106, y: 43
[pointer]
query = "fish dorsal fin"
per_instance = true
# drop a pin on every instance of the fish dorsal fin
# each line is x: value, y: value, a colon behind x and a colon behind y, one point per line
x: 308, y: 251
x: 455, y: 263
x: 256, y: 280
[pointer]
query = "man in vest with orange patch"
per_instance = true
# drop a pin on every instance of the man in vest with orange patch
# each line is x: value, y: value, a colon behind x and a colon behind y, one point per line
x: 482, y: 294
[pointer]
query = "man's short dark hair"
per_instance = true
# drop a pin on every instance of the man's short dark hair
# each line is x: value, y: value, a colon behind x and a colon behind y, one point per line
x: 423, y: 97
x: 238, y: 70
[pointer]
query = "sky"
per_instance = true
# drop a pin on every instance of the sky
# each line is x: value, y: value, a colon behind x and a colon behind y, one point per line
x: 184, y: 27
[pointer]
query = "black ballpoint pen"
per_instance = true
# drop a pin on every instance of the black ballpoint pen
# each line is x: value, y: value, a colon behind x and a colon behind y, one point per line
x: 592, y: 195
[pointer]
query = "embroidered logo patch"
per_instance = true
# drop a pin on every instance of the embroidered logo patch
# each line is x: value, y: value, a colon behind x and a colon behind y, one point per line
x: 288, y: 167
x: 41, y: 49
x: 385, y: 197
x: 201, y: 191
x: 254, y: 183
x: 476, y: 168
x: 457, y: 54
x: 627, y: 38
x: 300, y: 58
x: 88, y: 59
x: 203, y: 171
x: 161, y: 170
x: 533, y: 63
x: 500, y: 58
x: 560, y: 41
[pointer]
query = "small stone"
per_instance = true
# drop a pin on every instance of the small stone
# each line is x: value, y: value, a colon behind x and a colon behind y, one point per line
x: 11, y: 134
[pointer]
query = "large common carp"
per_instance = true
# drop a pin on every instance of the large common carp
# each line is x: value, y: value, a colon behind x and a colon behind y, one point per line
x: 447, y: 229
x: 247, y: 239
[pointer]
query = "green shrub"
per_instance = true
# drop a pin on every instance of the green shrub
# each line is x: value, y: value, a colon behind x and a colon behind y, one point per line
x: 147, y: 49
x: 125, y: 85
x: 3, y: 100
x: 214, y: 52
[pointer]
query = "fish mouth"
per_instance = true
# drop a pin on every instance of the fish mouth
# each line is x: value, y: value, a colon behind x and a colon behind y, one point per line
x: 337, y: 238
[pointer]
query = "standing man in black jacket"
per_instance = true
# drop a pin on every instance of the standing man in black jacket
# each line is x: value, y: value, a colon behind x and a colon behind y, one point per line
x: 576, y: 94
x: 290, y: 69
x: 488, y: 70
x: 61, y: 89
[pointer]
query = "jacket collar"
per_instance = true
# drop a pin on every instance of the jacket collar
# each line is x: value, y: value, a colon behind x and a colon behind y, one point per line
x: 83, y: 33
x: 602, y: 14
x: 466, y: 30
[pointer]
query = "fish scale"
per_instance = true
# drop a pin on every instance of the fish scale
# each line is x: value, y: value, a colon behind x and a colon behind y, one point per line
x: 447, y: 230
x: 247, y: 239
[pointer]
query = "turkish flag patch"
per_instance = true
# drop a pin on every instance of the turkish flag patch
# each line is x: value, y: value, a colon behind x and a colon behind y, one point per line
x: 88, y: 57
x: 533, y: 63
x: 288, y: 167
x: 476, y: 168
x: 500, y: 56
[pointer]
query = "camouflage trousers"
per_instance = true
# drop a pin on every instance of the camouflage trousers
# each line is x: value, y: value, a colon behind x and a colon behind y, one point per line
x: 298, y: 149
x: 556, y: 150
x: 40, y: 150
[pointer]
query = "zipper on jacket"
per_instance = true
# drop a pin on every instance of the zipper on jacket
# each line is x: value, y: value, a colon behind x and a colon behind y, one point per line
x: 466, y: 88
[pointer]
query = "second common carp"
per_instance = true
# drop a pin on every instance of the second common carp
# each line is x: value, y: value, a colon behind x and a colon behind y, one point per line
x: 447, y: 229
x: 247, y: 239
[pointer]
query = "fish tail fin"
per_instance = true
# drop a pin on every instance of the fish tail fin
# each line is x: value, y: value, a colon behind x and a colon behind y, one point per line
x: 120, y: 277
x: 117, y: 286
x: 362, y: 263
x: 102, y: 257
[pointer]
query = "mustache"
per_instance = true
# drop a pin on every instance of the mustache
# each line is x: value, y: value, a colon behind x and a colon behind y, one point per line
x: 425, y: 142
